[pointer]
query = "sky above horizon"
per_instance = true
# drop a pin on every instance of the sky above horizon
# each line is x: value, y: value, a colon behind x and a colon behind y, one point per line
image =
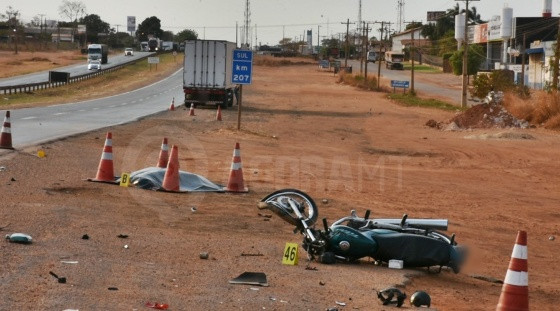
x: 216, y: 19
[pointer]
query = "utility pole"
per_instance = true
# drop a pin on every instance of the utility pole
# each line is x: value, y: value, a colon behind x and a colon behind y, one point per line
x: 379, y: 56
x: 523, y: 60
x: 362, y: 48
x: 556, y: 58
x: 346, y: 47
x: 236, y: 35
x: 366, y: 50
x: 412, y: 64
x: 318, y: 39
x: 465, y: 54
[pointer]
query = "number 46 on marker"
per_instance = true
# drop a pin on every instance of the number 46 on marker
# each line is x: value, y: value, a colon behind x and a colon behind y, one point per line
x: 290, y: 256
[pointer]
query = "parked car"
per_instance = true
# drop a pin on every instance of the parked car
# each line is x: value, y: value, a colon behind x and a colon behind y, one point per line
x: 94, y: 65
x: 128, y: 52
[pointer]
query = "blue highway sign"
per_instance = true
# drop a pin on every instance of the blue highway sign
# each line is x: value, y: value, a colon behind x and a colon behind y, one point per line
x: 400, y: 84
x: 242, y: 72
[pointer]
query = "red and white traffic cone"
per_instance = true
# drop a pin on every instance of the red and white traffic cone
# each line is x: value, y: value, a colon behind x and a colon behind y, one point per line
x: 163, y: 154
x: 515, y: 291
x: 219, y: 114
x: 6, y: 134
x: 191, y: 111
x: 105, y: 172
x: 171, y: 178
x: 172, y: 106
x: 235, y: 181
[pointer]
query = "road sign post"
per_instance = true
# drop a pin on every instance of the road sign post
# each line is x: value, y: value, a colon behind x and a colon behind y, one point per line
x: 242, y: 73
x: 400, y: 84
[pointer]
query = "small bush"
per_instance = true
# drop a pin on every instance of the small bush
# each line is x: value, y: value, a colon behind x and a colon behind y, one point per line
x: 358, y: 81
x: 497, y: 80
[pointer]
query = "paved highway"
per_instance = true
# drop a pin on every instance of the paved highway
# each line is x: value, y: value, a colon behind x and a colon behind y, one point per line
x: 74, y: 70
x: 33, y: 126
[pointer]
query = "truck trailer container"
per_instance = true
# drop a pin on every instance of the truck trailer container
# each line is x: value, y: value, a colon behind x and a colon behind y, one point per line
x: 98, y: 52
x: 207, y: 72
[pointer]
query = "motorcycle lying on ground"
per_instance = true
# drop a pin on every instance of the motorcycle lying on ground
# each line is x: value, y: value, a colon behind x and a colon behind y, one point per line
x: 417, y: 242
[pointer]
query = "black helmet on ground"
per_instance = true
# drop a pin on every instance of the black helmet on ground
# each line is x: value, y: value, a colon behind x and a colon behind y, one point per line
x: 420, y: 298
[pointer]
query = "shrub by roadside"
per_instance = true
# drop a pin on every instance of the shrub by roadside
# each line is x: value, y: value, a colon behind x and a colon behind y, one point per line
x: 541, y: 109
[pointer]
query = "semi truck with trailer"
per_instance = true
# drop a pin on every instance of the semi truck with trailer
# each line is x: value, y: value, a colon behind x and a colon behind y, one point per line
x: 207, y: 72
x: 98, y: 52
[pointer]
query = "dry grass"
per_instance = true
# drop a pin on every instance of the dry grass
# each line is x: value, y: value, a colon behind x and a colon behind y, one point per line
x: 271, y: 61
x: 28, y: 62
x: 358, y: 81
x: 541, y: 109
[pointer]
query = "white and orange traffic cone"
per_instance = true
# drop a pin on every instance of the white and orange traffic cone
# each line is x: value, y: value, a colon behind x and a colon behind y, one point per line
x: 219, y: 113
x: 172, y: 106
x: 235, y: 181
x: 105, y: 172
x: 163, y: 154
x: 6, y: 134
x: 191, y: 111
x: 515, y: 291
x: 171, y: 178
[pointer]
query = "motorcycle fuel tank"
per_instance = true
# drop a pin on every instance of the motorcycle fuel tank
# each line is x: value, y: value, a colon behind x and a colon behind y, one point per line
x: 349, y: 242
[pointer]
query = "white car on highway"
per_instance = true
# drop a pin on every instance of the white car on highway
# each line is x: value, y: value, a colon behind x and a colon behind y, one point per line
x: 94, y: 65
x: 128, y: 52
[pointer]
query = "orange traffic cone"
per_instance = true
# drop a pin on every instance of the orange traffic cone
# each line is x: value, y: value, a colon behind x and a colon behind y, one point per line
x: 163, y: 154
x: 171, y: 178
x: 6, y: 134
x: 235, y: 182
x: 219, y: 114
x: 172, y: 106
x: 191, y: 111
x: 515, y: 291
x: 105, y: 169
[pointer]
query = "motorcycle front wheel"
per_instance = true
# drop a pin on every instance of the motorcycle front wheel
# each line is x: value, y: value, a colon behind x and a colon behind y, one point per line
x: 279, y: 203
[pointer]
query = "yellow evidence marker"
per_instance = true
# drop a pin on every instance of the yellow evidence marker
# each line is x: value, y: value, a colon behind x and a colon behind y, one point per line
x: 125, y: 180
x: 41, y: 153
x: 290, y: 256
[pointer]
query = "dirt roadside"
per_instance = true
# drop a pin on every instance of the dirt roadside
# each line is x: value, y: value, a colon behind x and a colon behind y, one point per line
x: 301, y: 130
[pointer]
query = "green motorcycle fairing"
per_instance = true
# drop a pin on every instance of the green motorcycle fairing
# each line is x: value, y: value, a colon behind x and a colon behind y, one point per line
x: 351, y: 243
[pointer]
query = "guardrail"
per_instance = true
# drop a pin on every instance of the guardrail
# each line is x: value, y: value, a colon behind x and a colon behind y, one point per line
x: 26, y: 88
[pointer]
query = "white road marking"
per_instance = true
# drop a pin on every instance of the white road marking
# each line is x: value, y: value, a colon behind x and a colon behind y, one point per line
x: 95, y: 108
x: 113, y: 106
x: 59, y: 113
x: 124, y: 104
x: 29, y: 118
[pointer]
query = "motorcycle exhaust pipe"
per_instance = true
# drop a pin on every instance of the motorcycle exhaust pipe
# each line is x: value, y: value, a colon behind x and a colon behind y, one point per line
x: 433, y: 224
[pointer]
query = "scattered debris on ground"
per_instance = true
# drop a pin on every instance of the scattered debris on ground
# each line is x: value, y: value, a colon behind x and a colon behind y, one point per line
x: 502, y: 135
x: 491, y: 115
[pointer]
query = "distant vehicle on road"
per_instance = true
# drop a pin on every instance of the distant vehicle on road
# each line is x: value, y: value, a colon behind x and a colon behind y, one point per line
x: 393, y: 60
x: 128, y: 52
x: 144, y: 46
x: 166, y: 45
x: 94, y: 65
x: 372, y: 56
x: 207, y: 72
x: 98, y: 52
x: 153, y: 44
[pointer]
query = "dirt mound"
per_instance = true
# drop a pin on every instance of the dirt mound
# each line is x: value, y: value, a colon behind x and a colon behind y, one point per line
x: 488, y: 116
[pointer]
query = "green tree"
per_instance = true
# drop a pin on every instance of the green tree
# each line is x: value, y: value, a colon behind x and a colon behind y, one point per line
x: 476, y: 57
x: 185, y: 35
x: 167, y: 36
x: 150, y: 26
x: 94, y: 26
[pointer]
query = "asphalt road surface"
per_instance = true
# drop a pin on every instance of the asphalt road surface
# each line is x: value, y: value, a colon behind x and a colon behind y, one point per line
x: 33, y: 126
x: 453, y: 95
x: 74, y: 70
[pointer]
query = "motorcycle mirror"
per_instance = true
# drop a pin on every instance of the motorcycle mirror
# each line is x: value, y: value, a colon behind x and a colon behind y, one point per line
x: 452, y: 240
x: 366, y: 216
x: 403, y: 220
x: 325, y: 225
